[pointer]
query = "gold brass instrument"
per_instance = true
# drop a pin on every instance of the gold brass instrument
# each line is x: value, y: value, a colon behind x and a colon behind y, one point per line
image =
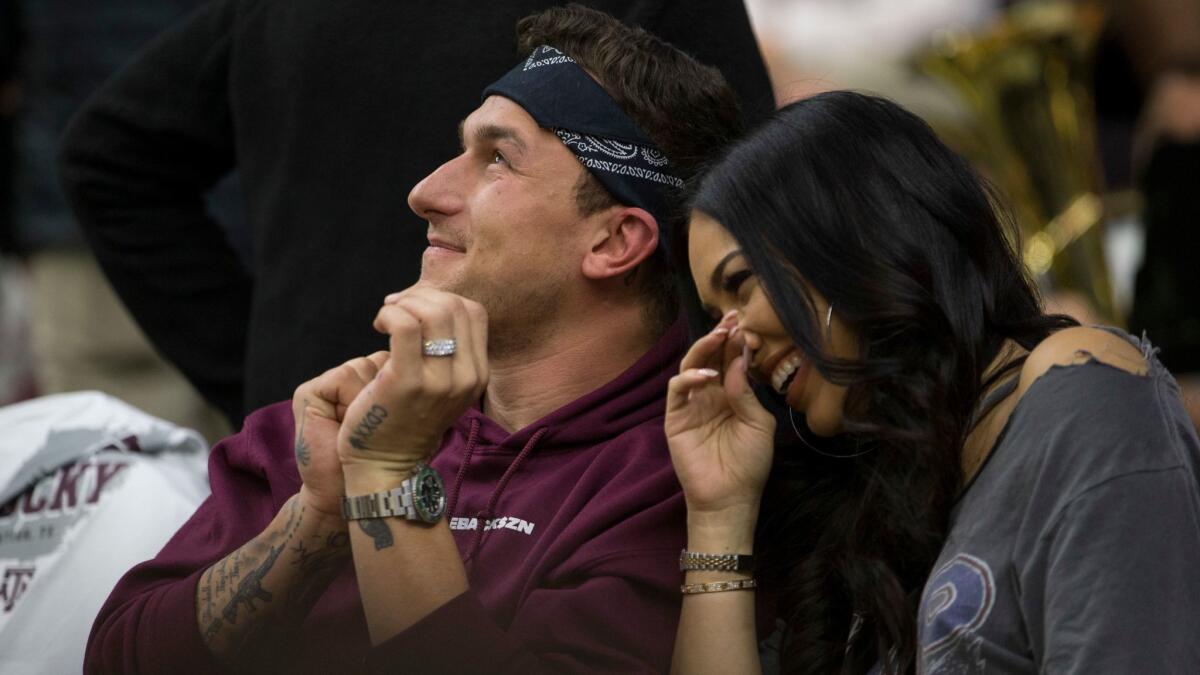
x: 1031, y: 131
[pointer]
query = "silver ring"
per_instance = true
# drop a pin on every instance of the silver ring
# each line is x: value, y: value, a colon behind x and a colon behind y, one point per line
x: 439, y: 347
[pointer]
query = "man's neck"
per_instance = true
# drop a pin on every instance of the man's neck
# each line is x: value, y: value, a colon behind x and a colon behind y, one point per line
x: 580, y: 357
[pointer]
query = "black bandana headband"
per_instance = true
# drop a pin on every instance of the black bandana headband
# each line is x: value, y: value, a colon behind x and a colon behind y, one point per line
x: 562, y: 97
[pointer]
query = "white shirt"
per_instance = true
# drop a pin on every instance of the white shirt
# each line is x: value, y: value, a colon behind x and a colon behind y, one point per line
x: 89, y: 487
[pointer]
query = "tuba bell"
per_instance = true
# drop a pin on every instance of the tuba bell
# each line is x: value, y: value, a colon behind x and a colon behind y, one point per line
x: 1030, y: 129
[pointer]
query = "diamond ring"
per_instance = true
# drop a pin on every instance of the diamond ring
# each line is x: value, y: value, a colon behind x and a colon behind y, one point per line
x: 439, y: 347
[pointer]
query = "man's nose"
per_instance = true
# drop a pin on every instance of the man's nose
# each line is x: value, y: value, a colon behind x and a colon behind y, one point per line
x: 440, y: 193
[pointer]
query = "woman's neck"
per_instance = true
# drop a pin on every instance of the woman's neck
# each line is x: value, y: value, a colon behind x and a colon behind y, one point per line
x: 987, y: 428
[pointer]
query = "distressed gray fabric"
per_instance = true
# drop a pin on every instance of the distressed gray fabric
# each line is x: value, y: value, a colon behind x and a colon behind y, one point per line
x: 1077, y: 547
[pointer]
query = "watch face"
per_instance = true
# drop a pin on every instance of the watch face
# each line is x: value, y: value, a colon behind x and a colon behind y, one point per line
x: 429, y: 495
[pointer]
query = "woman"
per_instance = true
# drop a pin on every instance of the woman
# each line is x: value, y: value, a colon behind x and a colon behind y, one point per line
x: 941, y: 476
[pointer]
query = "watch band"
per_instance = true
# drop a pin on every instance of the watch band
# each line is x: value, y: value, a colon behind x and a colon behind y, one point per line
x: 690, y: 561
x: 420, y: 498
x: 397, y: 503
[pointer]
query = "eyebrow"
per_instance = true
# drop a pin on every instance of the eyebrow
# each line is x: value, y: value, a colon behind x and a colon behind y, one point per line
x: 719, y: 271
x: 491, y: 132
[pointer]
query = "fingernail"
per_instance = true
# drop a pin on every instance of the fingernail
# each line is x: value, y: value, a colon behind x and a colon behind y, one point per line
x: 708, y: 372
x: 719, y: 330
x: 734, y: 331
x: 729, y: 315
x: 391, y: 297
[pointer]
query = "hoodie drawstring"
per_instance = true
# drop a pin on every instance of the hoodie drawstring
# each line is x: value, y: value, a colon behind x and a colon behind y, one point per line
x: 472, y: 439
x: 482, y: 517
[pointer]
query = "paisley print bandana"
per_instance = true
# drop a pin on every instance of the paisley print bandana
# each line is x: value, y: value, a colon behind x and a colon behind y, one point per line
x: 563, y: 98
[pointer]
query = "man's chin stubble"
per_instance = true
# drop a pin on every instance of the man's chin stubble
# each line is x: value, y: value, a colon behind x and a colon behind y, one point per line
x: 518, y: 320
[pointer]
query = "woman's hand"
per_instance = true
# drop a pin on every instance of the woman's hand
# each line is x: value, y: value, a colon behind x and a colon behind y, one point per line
x: 319, y: 406
x: 720, y: 437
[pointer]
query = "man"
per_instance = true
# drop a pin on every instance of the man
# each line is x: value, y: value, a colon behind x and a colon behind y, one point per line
x: 543, y: 313
x: 330, y: 111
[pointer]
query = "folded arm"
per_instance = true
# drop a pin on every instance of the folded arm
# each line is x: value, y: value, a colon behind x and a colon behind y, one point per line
x: 135, y: 164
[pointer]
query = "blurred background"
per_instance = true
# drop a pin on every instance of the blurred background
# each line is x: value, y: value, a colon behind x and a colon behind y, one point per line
x: 1084, y: 115
x: 62, y: 328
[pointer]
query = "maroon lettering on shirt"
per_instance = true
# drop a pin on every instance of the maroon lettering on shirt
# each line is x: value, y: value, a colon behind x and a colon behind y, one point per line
x: 68, y: 483
x: 13, y: 585
x: 29, y: 505
x: 104, y: 473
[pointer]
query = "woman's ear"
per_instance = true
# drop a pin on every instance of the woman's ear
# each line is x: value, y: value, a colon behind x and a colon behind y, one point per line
x: 627, y: 236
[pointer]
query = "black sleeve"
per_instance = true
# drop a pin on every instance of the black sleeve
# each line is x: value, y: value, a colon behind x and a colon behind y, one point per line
x: 135, y: 163
x: 10, y: 52
x: 11, y: 38
x: 718, y: 33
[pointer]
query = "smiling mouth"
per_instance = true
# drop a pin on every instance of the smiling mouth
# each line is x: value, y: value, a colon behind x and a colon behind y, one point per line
x: 433, y: 243
x: 785, y: 372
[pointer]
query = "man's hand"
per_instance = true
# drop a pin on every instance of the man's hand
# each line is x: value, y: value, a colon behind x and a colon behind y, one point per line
x: 319, y: 407
x: 399, y: 419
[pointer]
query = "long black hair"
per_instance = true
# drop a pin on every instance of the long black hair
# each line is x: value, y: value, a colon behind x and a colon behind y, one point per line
x: 856, y: 197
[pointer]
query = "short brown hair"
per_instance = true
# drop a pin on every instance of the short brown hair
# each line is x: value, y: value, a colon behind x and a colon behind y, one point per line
x: 685, y: 107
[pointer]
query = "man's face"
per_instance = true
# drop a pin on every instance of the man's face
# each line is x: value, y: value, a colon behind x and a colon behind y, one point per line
x: 504, y: 226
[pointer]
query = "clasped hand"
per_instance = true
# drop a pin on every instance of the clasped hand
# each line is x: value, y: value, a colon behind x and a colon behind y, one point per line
x: 372, y: 419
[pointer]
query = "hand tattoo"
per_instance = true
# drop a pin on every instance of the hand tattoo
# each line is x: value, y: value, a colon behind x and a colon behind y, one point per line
x: 367, y: 426
x: 303, y: 452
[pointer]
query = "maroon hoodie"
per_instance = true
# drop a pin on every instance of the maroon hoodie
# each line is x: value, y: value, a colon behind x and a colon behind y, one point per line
x: 570, y: 530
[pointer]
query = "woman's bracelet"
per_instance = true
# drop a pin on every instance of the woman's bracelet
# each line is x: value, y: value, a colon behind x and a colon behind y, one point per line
x: 718, y: 586
x: 690, y: 561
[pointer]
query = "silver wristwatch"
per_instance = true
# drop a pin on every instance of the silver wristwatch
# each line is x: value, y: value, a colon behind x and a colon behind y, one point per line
x: 421, y: 497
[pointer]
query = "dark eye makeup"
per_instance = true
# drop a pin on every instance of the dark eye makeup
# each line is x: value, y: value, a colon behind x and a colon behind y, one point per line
x: 734, y: 281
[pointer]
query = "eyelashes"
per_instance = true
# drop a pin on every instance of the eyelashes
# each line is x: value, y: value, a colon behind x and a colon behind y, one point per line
x: 731, y: 285
x: 734, y: 281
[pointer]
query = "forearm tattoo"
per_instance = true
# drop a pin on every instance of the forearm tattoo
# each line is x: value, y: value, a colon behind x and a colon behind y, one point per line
x: 378, y: 530
x: 240, y: 616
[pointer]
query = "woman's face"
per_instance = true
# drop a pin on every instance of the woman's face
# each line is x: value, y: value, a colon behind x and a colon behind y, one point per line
x: 725, y: 282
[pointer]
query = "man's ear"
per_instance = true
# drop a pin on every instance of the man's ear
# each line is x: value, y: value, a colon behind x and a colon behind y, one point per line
x: 627, y: 235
